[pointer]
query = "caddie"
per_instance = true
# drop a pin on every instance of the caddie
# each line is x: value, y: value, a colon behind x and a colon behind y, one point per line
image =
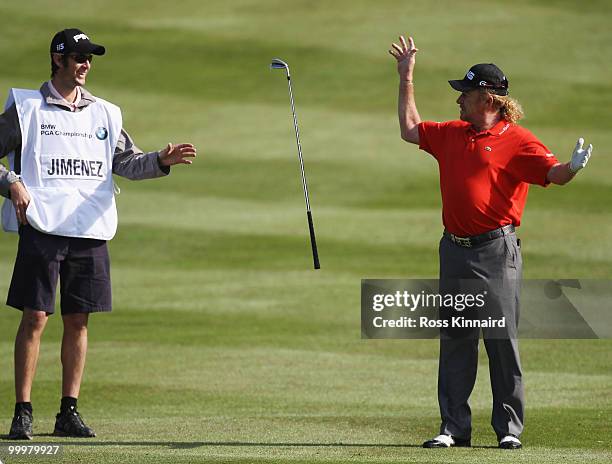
x: 486, y: 163
x: 63, y: 146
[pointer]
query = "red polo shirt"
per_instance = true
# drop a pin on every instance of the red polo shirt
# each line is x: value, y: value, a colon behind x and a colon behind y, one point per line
x: 485, y: 176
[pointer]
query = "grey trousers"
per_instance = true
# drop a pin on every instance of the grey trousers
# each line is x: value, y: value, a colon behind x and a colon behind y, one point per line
x: 496, y: 264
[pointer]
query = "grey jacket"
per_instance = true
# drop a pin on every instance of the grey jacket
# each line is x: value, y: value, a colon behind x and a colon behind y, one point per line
x: 129, y: 161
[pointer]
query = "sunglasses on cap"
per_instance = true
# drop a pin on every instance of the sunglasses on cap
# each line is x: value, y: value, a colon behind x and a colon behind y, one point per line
x: 81, y: 57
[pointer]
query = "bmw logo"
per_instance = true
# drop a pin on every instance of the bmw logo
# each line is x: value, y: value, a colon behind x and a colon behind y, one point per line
x: 101, y: 133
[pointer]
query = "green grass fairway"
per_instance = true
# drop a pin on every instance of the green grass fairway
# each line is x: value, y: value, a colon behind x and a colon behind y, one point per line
x: 224, y: 345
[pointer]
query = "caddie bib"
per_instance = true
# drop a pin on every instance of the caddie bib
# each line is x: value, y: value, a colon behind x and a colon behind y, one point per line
x: 66, y: 166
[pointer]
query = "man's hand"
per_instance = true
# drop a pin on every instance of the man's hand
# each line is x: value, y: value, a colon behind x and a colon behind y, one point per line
x: 21, y: 199
x: 580, y: 157
x: 405, y: 56
x: 177, y: 154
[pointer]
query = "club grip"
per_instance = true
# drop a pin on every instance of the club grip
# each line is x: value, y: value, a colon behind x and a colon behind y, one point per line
x: 313, y: 241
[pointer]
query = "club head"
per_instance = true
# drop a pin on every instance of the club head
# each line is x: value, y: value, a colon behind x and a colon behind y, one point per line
x: 277, y: 63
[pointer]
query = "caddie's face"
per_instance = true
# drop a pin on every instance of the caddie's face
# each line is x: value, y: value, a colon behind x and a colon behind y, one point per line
x: 472, y: 106
x: 74, y: 73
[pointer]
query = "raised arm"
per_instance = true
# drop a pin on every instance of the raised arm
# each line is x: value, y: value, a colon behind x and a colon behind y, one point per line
x: 406, y: 107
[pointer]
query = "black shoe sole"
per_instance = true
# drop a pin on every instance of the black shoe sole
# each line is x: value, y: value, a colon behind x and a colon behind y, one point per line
x: 438, y: 444
x: 61, y: 433
x: 19, y: 437
x: 510, y: 446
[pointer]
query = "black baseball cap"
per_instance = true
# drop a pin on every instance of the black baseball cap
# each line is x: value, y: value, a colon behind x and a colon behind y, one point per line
x: 74, y: 41
x: 482, y: 76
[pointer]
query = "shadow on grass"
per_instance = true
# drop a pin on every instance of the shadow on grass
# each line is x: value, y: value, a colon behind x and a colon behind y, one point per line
x: 199, y: 444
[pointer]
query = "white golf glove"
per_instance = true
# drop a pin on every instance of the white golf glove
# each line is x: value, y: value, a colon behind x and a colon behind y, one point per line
x: 580, y: 157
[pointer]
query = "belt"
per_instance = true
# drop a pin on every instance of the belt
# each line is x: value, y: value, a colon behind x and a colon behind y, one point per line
x: 469, y: 242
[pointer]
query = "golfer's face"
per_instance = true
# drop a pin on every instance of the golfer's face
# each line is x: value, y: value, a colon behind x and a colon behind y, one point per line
x: 471, y: 105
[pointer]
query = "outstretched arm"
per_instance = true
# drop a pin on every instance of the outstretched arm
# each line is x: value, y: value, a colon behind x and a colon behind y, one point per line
x: 562, y: 173
x: 130, y: 162
x: 406, y: 107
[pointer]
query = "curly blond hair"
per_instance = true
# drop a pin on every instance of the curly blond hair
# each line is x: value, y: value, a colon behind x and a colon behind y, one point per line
x: 510, y: 109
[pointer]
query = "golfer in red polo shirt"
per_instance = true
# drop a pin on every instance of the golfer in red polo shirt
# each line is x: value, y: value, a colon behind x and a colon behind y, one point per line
x: 486, y: 164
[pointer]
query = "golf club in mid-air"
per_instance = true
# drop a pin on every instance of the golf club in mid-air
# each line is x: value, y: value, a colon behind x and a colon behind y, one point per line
x: 280, y: 64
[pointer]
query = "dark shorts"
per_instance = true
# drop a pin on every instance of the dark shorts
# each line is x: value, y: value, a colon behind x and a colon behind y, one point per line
x: 81, y: 264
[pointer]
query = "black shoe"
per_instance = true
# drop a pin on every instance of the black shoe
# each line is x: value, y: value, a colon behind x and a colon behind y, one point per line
x: 70, y: 424
x: 510, y: 442
x: 21, y: 427
x: 446, y: 441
